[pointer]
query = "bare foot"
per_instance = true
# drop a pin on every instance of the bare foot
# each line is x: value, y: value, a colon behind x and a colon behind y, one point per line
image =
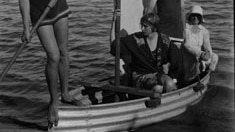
x: 52, y: 117
x: 70, y: 100
x: 66, y: 97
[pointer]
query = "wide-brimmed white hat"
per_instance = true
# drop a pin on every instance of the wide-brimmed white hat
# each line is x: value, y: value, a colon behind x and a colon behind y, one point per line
x: 196, y: 9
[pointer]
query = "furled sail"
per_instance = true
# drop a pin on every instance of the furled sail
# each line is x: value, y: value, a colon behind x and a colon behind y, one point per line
x: 131, y: 12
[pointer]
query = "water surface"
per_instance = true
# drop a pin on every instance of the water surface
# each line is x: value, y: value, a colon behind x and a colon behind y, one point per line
x: 24, y: 95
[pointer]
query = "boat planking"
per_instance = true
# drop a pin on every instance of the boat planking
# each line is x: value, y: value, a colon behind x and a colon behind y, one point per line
x: 128, y: 114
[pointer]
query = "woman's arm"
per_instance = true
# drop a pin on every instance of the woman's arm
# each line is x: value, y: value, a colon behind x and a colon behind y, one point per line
x: 149, y: 6
x: 25, y: 10
x: 206, y: 42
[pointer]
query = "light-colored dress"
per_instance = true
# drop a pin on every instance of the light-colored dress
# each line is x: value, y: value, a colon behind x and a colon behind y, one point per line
x: 197, y: 41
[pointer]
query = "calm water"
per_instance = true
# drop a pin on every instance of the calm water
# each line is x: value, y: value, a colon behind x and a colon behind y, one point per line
x: 24, y: 95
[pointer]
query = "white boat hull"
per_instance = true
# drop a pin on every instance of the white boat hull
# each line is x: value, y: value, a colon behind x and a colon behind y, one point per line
x: 127, y: 114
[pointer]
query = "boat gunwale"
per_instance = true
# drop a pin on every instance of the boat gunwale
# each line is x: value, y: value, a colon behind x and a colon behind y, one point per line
x: 165, y: 95
x: 189, y: 96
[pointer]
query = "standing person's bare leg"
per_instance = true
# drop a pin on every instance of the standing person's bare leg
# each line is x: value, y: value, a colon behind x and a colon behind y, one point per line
x: 61, y: 33
x: 47, y: 38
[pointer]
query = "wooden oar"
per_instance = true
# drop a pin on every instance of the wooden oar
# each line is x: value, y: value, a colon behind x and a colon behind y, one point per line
x: 122, y: 89
x: 12, y: 61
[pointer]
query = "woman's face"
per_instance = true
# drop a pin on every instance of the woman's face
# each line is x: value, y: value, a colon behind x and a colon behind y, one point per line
x: 194, y: 19
x: 146, y: 29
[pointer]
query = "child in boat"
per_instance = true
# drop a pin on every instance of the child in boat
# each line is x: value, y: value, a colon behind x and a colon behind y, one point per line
x: 145, y: 54
x: 199, y: 54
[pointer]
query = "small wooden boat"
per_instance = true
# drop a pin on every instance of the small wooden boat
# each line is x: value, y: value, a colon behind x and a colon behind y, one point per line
x: 129, y: 114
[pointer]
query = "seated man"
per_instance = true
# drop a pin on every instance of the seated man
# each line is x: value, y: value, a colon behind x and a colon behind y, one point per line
x: 198, y: 55
x: 146, y: 54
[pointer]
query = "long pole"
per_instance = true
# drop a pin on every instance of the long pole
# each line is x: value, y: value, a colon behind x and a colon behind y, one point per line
x: 13, y: 59
x: 117, y: 37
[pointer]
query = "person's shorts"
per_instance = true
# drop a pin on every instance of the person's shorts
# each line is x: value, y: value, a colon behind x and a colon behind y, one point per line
x: 144, y: 82
x: 59, y: 11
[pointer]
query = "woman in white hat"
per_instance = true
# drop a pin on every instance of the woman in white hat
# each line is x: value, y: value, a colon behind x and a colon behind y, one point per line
x: 197, y: 43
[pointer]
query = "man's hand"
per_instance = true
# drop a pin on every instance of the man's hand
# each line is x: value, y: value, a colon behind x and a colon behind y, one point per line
x: 205, y: 55
x: 122, y: 70
x: 166, y: 68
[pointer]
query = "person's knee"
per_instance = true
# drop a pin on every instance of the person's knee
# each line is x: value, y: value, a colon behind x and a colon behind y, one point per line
x: 168, y: 83
x: 54, y: 58
x: 63, y: 54
x: 157, y: 88
x: 63, y: 49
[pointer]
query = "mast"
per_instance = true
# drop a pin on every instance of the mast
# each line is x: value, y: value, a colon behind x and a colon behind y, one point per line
x: 117, y: 37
